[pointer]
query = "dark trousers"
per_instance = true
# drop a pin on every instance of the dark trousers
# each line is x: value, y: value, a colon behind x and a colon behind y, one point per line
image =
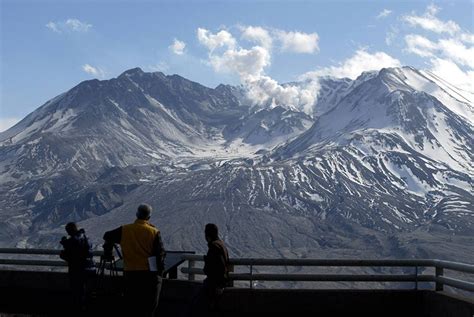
x: 206, y: 300
x: 77, y: 282
x: 142, y: 292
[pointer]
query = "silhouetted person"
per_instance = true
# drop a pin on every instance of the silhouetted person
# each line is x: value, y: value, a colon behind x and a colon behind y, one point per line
x: 216, y: 268
x: 139, y: 242
x: 216, y: 262
x: 78, y: 254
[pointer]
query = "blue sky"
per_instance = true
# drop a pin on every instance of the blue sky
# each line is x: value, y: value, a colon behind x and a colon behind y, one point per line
x: 47, y: 47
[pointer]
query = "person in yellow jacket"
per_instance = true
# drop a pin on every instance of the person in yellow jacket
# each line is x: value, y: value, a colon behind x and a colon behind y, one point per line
x: 141, y: 246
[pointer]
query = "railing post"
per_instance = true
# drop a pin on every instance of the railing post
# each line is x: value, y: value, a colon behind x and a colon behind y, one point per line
x: 251, y: 276
x: 416, y: 278
x: 439, y: 271
x: 173, y: 273
x: 231, y: 270
x: 191, y: 276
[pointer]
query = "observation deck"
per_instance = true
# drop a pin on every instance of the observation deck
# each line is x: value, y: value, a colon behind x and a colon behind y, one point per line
x: 33, y: 282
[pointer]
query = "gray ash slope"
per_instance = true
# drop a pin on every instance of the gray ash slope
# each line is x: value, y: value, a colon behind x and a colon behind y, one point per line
x: 382, y: 169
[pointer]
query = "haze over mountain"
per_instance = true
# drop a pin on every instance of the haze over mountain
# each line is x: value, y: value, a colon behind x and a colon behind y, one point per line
x: 383, y: 167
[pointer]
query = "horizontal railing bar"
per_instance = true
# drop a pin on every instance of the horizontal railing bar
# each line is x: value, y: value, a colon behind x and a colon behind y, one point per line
x: 467, y: 286
x: 29, y: 251
x: 58, y: 251
x: 321, y: 277
x: 193, y: 257
x: 329, y: 262
x: 455, y: 266
x: 38, y: 251
x: 320, y: 262
x: 285, y: 262
x: 32, y: 262
x: 194, y: 270
x: 318, y: 277
x: 331, y: 277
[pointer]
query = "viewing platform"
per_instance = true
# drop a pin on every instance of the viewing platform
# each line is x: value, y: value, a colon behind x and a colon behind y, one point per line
x: 34, y: 282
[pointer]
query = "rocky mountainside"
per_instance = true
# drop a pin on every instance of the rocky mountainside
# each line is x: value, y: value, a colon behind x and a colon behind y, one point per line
x: 383, y: 167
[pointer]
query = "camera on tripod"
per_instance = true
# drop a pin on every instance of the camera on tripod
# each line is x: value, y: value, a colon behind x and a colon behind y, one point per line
x: 108, y: 261
x: 109, y: 266
x: 109, y: 252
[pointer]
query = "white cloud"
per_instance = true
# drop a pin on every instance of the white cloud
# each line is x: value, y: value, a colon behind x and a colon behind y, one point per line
x: 445, y: 58
x: 352, y: 67
x: 177, y: 47
x: 298, y: 42
x: 419, y: 45
x: 94, y: 71
x: 77, y: 26
x: 391, y: 35
x: 244, y: 62
x: 7, y: 123
x: 257, y: 35
x: 250, y: 65
x: 53, y: 27
x: 264, y: 89
x: 430, y: 22
x: 213, y: 41
x: 294, y: 41
x: 452, y: 49
x: 432, y: 9
x: 70, y: 25
x: 457, y: 51
x: 467, y: 37
x: 384, y: 13
x: 450, y: 55
x: 451, y: 72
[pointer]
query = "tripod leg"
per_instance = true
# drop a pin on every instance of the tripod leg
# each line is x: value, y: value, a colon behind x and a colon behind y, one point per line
x: 101, y: 273
x: 114, y: 269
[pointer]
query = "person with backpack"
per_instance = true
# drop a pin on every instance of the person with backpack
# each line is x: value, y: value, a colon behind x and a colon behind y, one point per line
x: 77, y: 253
x: 143, y: 259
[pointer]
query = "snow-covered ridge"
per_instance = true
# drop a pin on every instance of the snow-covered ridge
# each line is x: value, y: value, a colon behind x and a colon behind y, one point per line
x: 457, y: 100
x: 389, y: 152
x: 401, y: 101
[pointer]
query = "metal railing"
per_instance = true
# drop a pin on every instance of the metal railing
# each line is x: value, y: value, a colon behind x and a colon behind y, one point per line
x: 172, y: 260
x: 36, y: 262
x: 438, y: 278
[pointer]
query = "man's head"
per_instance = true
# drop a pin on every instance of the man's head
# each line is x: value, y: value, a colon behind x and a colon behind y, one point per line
x: 71, y: 228
x: 211, y: 232
x: 144, y: 212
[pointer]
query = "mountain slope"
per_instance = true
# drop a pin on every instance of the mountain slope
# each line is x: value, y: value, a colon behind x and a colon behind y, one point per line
x: 389, y: 105
x: 385, y: 160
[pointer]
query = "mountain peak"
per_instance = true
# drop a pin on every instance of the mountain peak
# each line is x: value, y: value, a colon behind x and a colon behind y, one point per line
x: 132, y: 72
x: 374, y: 161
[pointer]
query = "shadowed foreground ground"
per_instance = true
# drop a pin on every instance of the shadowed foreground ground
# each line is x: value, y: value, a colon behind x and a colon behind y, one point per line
x: 46, y: 294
